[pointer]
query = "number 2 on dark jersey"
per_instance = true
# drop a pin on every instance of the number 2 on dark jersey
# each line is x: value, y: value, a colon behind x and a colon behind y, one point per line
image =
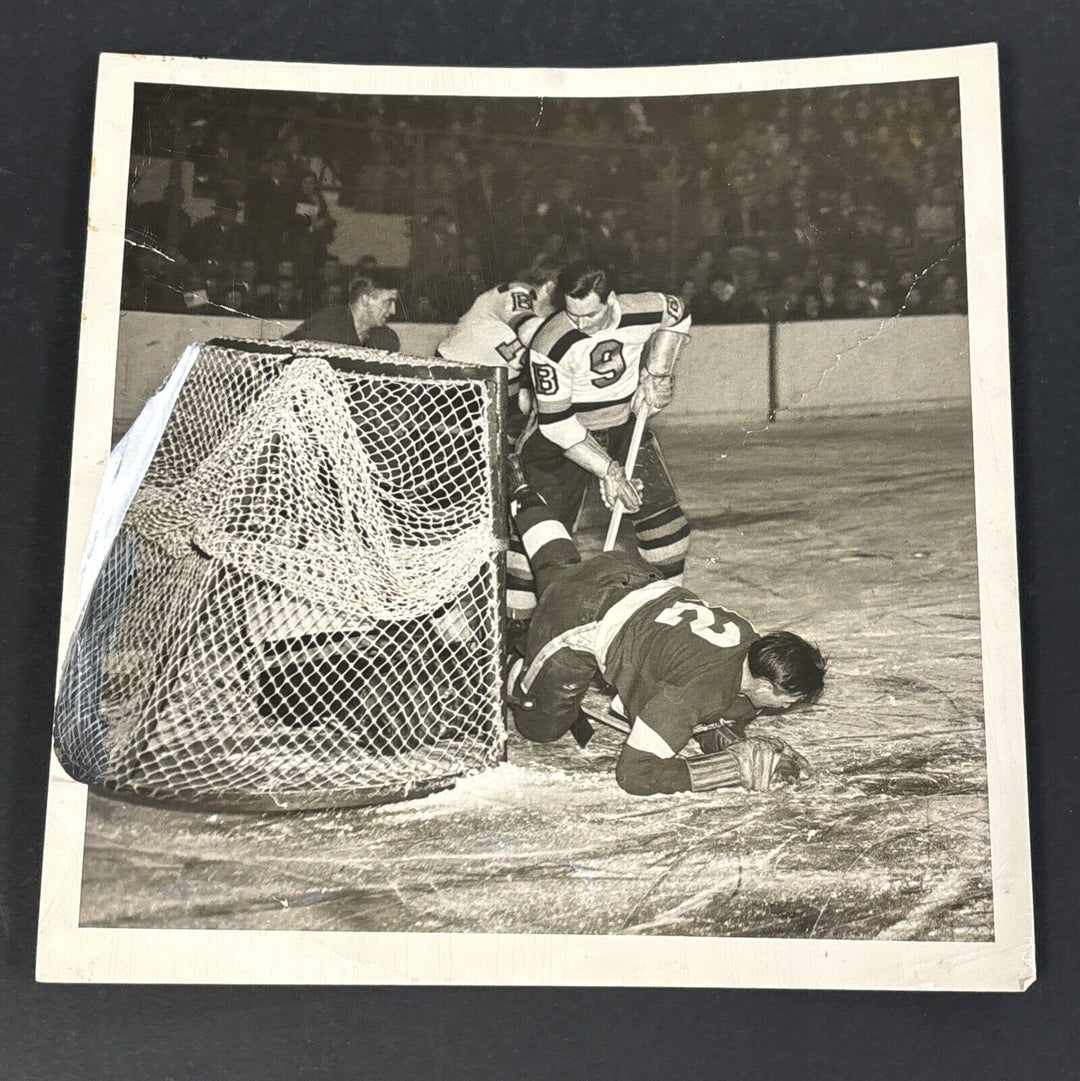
x: 701, y: 623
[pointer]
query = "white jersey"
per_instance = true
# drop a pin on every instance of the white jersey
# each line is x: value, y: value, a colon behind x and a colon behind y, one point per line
x: 496, y: 324
x: 585, y: 382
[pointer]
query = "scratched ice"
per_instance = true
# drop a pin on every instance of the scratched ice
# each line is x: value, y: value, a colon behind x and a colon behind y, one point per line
x: 856, y: 532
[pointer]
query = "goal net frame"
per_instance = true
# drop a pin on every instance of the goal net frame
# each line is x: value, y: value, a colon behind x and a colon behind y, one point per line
x: 300, y: 703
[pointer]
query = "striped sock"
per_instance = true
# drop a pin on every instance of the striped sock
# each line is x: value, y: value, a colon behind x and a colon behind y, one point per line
x: 546, y: 541
x: 520, y: 583
x: 663, y: 539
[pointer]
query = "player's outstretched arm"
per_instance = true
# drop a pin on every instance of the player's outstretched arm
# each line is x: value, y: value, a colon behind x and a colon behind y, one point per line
x: 648, y: 764
x: 643, y: 774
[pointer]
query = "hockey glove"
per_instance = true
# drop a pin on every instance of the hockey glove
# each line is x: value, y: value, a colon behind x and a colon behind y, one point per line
x: 716, y: 737
x: 615, y: 487
x: 655, y: 391
x: 758, y: 764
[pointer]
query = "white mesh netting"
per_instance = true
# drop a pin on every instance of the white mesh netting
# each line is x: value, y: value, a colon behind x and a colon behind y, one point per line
x: 301, y: 608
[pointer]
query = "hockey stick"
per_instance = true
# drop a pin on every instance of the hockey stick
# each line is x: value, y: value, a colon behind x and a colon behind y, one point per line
x: 631, y: 462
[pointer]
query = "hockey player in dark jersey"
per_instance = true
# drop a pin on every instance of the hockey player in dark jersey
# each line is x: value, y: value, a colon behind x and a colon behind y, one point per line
x: 675, y: 662
x: 594, y: 363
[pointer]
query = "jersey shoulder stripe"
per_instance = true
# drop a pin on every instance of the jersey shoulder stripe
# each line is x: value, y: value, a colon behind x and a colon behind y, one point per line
x: 642, y: 303
x: 542, y: 337
x: 559, y: 349
x: 641, y: 309
x: 646, y: 308
x: 516, y: 320
x: 636, y: 319
x: 555, y: 336
x: 550, y: 330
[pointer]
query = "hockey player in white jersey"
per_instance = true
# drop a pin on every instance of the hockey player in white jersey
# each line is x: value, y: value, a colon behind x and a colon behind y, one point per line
x: 593, y: 363
x: 500, y: 323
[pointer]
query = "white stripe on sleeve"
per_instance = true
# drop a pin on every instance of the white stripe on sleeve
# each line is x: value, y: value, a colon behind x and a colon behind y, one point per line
x: 643, y: 738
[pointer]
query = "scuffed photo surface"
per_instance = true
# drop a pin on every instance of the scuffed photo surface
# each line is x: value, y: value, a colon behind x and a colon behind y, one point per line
x: 837, y: 247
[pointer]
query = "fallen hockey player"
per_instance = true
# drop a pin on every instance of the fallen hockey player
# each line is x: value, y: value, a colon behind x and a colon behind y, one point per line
x: 676, y: 663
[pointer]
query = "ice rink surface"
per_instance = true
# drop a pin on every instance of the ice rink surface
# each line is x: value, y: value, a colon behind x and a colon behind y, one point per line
x: 857, y: 533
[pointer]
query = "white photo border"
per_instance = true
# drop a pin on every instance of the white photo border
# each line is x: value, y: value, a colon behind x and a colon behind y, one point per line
x: 69, y: 953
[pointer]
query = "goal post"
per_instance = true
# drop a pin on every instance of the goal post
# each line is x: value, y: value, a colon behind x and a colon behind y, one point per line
x: 301, y: 607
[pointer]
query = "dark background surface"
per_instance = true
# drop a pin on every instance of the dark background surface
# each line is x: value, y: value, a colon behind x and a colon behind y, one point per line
x: 48, y: 78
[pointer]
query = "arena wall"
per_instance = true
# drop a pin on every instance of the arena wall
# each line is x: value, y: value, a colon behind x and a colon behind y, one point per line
x: 872, y: 365
x: 844, y: 366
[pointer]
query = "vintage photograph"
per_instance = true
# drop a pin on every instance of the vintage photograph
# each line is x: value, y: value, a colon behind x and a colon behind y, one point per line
x: 526, y: 536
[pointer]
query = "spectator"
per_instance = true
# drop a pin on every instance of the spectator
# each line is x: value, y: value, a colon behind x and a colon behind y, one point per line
x: 218, y: 237
x: 298, y: 164
x: 336, y: 293
x: 434, y: 248
x: 828, y: 296
x: 271, y: 207
x: 313, y: 213
x: 561, y: 214
x: 163, y: 223
x: 311, y: 230
x: 701, y: 272
x: 879, y: 299
x: 475, y: 219
x: 150, y: 281
x: 235, y: 298
x: 330, y: 274
x: 284, y: 301
x: 900, y: 249
x: 221, y: 167
x: 936, y: 219
x: 724, y: 302
x: 828, y: 175
x: 603, y: 244
x: 196, y: 293
x: 373, y: 183
x: 946, y: 298
x: 854, y: 300
x: 360, y: 321
x: 810, y: 305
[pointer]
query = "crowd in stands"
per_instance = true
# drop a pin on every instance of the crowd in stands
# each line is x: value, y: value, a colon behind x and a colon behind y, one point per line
x: 806, y: 204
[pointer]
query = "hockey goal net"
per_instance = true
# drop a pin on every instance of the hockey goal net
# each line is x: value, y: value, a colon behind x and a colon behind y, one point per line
x: 301, y: 606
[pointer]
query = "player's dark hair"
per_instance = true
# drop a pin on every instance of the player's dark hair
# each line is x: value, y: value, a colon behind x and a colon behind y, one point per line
x: 541, y: 273
x: 789, y: 663
x: 365, y: 283
x: 580, y: 278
